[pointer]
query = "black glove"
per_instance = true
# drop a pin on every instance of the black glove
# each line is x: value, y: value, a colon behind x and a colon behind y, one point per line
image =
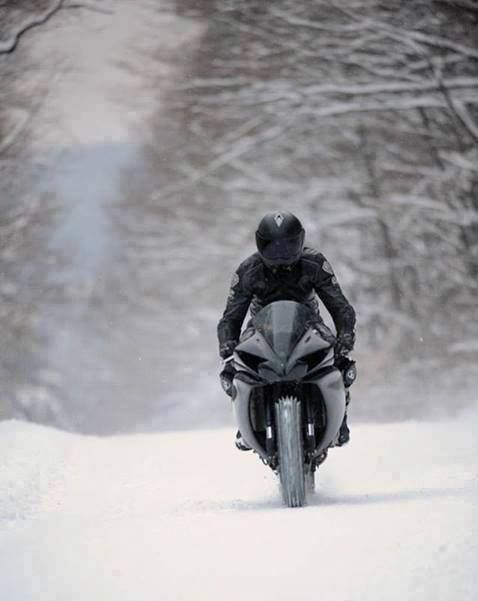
x: 227, y: 348
x: 344, y: 344
x: 227, y: 376
x: 348, y: 369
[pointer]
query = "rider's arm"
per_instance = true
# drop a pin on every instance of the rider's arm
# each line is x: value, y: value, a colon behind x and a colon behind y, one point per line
x: 331, y: 295
x: 238, y: 301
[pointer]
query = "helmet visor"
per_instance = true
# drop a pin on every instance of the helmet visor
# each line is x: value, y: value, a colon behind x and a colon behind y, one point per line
x: 282, y: 251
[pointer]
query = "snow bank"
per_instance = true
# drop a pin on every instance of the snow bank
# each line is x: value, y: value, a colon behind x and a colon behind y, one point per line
x: 32, y: 461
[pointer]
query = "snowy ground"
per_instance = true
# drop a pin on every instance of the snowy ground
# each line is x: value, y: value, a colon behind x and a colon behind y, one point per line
x: 185, y: 516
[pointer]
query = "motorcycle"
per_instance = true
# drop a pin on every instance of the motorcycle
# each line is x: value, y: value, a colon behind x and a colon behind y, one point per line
x: 289, y: 398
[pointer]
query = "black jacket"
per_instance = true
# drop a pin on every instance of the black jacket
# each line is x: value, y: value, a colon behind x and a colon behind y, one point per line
x: 254, y: 285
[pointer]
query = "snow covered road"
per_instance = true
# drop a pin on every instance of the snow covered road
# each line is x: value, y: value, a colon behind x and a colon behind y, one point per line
x: 183, y: 516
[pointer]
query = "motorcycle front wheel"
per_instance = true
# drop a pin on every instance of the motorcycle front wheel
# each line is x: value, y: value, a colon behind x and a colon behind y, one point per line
x: 290, y: 448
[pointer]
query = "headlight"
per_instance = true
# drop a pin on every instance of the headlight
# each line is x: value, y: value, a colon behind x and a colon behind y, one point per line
x: 252, y: 361
x: 315, y: 359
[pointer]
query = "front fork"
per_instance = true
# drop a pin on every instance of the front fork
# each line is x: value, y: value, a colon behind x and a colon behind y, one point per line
x: 271, y: 441
x: 310, y: 441
x: 270, y: 430
x: 311, y: 423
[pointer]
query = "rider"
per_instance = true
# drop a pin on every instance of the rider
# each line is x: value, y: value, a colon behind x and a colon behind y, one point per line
x: 283, y: 269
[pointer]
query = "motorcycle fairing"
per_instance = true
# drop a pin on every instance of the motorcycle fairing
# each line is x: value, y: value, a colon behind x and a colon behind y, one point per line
x: 333, y: 396
x: 276, y: 354
x: 332, y: 389
x: 283, y: 337
x: 241, y: 411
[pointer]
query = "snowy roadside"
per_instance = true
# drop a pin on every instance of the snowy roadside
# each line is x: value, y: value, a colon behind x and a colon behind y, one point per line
x: 184, y: 516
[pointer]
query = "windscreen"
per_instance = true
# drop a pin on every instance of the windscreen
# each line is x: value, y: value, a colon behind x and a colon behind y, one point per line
x: 282, y: 324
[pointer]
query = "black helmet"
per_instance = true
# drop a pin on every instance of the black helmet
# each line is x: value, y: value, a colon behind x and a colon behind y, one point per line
x: 280, y: 238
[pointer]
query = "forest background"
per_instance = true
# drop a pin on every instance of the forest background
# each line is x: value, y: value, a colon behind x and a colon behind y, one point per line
x: 134, y: 170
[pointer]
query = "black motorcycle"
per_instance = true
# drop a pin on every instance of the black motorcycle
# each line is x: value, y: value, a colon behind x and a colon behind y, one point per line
x: 289, y: 397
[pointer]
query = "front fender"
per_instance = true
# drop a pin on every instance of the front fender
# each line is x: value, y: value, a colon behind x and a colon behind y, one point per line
x: 240, y: 405
x: 332, y: 389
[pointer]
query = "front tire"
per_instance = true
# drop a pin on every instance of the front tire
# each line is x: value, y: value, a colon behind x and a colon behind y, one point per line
x: 309, y: 480
x: 291, y: 460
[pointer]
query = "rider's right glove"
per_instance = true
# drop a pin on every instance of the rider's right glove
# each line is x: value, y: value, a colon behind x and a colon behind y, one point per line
x: 227, y: 348
x: 227, y: 376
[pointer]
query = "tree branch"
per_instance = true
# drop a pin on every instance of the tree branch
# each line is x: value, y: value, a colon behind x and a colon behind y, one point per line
x: 412, y: 36
x: 87, y: 6
x: 341, y: 29
x: 10, y: 45
x: 394, y: 87
x: 457, y: 108
x: 466, y: 4
x: 428, y: 40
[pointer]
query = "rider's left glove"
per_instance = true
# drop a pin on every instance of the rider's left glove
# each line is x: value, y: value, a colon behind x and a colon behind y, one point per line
x: 345, y: 343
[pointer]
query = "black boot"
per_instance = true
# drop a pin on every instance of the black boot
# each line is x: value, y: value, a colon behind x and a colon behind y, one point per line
x: 241, y: 444
x: 343, y: 436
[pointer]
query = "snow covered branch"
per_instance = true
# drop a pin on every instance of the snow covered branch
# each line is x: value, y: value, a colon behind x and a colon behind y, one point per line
x: 87, y: 6
x: 10, y: 45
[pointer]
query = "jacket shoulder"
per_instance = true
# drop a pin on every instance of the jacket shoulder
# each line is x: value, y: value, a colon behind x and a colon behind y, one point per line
x: 316, y: 262
x: 312, y: 257
x: 312, y: 254
x: 250, y: 264
x: 248, y: 269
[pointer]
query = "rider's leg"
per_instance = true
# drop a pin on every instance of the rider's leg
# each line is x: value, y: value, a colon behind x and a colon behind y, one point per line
x: 344, y: 432
x: 349, y: 374
x: 227, y: 377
